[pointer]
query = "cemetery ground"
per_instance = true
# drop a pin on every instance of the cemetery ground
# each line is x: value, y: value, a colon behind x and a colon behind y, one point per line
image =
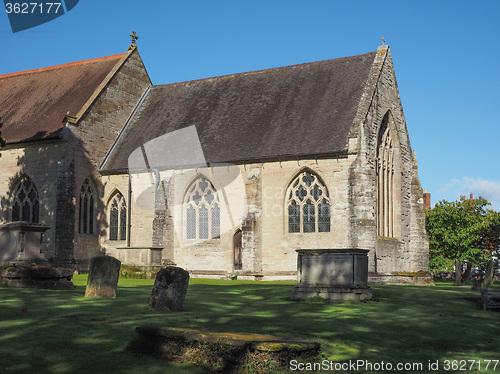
x: 61, y: 331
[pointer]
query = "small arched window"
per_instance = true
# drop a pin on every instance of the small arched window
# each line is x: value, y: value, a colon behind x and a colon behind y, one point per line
x: 86, y: 208
x: 202, y: 211
x: 308, y: 204
x: 117, y: 218
x: 25, y: 204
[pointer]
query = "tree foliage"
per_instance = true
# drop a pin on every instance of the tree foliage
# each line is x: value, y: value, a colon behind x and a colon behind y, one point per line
x: 465, y: 230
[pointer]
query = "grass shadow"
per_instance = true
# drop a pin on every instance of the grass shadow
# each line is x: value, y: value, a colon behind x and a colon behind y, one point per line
x: 63, y: 332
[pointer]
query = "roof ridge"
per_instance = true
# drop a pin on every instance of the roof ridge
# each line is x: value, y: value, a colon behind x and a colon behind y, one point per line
x: 264, y: 70
x: 68, y: 64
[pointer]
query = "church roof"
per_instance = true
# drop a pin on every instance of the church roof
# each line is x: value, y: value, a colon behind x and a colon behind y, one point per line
x: 305, y: 109
x: 34, y: 103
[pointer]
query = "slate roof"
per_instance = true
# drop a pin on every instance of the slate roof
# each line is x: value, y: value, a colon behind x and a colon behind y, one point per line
x: 34, y: 103
x: 305, y: 109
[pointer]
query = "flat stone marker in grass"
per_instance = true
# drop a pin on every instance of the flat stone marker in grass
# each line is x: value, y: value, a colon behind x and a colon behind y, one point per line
x: 230, y: 352
x: 169, y: 290
x: 103, y: 277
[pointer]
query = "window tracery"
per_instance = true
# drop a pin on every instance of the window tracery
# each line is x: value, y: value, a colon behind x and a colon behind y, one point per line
x: 25, y: 203
x: 86, y: 208
x: 118, y: 218
x: 308, y: 204
x: 202, y: 211
x: 385, y: 181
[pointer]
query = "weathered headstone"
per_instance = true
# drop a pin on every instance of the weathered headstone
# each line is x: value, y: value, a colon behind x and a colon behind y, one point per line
x: 169, y: 289
x: 103, y: 277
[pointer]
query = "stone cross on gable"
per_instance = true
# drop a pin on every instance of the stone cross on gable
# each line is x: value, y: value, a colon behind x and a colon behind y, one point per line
x: 134, y: 39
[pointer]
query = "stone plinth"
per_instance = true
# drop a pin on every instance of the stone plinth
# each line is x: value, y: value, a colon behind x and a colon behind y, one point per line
x: 36, y: 276
x: 21, y: 241
x: 139, y: 256
x: 103, y: 277
x: 333, y: 274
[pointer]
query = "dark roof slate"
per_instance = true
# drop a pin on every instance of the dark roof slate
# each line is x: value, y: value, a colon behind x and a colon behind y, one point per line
x: 34, y: 103
x: 304, y: 109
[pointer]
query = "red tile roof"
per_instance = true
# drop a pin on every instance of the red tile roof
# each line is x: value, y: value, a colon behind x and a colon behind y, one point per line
x: 34, y: 103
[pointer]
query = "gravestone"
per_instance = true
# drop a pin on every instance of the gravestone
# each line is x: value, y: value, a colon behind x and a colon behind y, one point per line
x: 103, y: 277
x: 169, y: 289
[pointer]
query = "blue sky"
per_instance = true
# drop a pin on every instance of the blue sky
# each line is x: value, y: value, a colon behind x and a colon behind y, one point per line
x: 446, y: 56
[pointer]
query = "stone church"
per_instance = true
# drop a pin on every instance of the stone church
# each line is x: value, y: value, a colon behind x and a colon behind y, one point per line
x: 222, y: 176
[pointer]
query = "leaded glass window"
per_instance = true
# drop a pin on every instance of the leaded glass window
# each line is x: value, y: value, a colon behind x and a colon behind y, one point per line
x: 86, y: 208
x: 216, y: 221
x: 309, y: 217
x: 385, y: 180
x: 25, y: 203
x: 202, y: 211
x: 118, y: 218
x: 203, y: 222
x: 191, y: 222
x: 308, y: 204
x: 293, y: 217
x: 324, y: 216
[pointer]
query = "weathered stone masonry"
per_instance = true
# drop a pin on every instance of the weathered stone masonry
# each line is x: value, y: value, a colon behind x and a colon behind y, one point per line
x: 408, y: 250
x: 323, y: 117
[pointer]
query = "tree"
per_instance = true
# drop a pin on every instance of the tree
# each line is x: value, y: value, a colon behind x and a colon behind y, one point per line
x: 2, y: 140
x: 462, y: 231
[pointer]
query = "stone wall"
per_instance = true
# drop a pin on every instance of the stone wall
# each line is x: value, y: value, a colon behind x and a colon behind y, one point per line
x: 269, y: 250
x: 278, y: 245
x: 254, y: 203
x: 90, y: 140
x: 40, y: 161
x: 59, y: 167
x: 407, y: 251
x: 140, y: 226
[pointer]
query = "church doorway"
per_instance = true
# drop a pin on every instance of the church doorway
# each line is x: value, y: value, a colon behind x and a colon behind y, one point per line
x: 237, y: 247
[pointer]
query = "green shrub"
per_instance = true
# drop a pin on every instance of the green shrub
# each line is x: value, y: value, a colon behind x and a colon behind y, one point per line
x: 128, y: 271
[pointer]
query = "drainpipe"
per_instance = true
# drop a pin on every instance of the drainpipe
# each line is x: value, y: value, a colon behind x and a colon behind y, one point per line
x: 157, y: 184
x: 129, y: 210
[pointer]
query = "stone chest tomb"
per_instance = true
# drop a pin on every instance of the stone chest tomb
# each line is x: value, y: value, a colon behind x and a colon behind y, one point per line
x: 21, y: 241
x: 333, y: 274
x: 22, y: 262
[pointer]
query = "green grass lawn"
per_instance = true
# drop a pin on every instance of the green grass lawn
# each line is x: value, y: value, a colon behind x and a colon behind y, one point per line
x: 49, y: 331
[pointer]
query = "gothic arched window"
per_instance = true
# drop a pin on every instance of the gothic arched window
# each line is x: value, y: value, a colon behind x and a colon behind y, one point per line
x: 308, y: 204
x: 117, y: 218
x: 385, y: 180
x: 86, y: 209
x: 25, y: 204
x: 202, y: 209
